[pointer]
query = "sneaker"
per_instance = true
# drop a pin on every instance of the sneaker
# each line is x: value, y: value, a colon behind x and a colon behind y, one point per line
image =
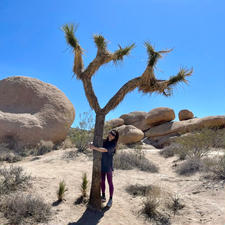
x: 109, y: 204
x: 103, y: 198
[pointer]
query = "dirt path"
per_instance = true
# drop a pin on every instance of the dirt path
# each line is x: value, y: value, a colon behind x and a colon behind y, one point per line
x: 202, y: 206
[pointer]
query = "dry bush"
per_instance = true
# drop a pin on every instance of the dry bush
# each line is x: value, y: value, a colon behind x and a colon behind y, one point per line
x: 189, y: 167
x: 143, y: 190
x: 70, y: 155
x: 128, y: 161
x: 82, y: 135
x: 198, y: 144
x: 8, y: 155
x: 170, y: 151
x: 175, y: 203
x: 44, y: 147
x: 152, y: 212
x: 12, y: 179
x: 215, y: 166
x: 24, y: 209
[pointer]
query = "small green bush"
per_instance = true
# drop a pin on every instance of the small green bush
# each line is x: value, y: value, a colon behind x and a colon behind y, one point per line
x: 82, y: 135
x: 25, y: 209
x: 13, y: 179
x: 83, y: 199
x: 61, y: 191
x: 128, y: 161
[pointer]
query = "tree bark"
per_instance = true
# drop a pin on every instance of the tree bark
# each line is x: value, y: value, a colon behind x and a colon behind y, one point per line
x: 95, y: 198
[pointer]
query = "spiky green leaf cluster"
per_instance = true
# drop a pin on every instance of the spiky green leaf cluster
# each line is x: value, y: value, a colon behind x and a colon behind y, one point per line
x: 69, y: 35
x: 84, y: 185
x: 180, y: 77
x: 121, y: 52
x: 61, y: 191
x: 100, y: 41
x: 153, y: 56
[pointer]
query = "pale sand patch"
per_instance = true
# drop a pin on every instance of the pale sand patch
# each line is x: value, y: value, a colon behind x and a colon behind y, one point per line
x: 202, y: 205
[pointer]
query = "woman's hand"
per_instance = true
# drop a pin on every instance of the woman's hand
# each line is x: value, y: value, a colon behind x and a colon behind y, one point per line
x: 91, y: 146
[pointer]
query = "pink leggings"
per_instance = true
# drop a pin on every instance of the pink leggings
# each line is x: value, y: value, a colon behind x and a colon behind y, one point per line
x: 109, y: 179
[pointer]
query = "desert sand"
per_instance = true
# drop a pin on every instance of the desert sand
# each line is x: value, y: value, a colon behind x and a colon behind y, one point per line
x: 204, y: 201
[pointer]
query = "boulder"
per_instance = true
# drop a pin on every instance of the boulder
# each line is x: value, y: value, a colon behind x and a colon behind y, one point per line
x: 181, y: 127
x: 31, y: 110
x: 185, y: 114
x: 161, y: 141
x: 159, y: 115
x: 136, y: 119
x: 114, y: 123
x: 129, y: 134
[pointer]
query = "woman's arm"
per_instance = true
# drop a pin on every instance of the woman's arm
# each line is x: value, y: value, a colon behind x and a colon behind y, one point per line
x: 97, y: 148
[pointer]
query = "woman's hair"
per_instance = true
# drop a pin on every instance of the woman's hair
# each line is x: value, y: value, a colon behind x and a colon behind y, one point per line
x: 114, y: 133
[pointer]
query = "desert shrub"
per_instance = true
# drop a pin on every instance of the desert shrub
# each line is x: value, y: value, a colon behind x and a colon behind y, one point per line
x: 151, y: 211
x: 8, y: 155
x: 70, y: 155
x: 170, y: 151
x: 143, y: 190
x: 128, y: 161
x: 44, y: 147
x: 189, y: 167
x: 175, y: 204
x: 215, y: 166
x: 12, y: 179
x: 218, y: 137
x: 197, y: 145
x: 82, y: 135
x: 24, y: 209
x: 61, y: 191
x: 137, y: 145
x: 67, y: 143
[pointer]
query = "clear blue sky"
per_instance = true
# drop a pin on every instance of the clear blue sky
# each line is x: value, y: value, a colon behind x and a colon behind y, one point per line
x: 32, y: 44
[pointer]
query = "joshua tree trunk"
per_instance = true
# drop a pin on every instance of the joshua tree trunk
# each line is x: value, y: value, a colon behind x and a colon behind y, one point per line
x: 146, y: 83
x: 95, y: 200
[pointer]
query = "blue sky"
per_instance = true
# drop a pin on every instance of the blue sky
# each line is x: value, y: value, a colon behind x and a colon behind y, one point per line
x: 32, y: 44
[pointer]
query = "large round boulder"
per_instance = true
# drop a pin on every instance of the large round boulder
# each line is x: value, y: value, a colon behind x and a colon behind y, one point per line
x: 182, y: 127
x: 185, y: 114
x: 159, y: 115
x: 136, y: 119
x: 129, y: 134
x: 114, y: 123
x: 31, y: 110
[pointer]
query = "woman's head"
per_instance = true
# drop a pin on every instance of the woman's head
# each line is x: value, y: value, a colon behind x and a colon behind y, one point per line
x: 113, y: 136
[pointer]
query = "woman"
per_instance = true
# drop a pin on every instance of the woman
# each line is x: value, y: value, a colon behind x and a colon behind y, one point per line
x: 108, y: 150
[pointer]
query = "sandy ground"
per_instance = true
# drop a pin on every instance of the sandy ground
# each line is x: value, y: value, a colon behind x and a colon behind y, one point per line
x: 204, y: 202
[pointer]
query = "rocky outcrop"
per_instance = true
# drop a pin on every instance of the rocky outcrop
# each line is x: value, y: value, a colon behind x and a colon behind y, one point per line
x: 185, y: 126
x: 129, y: 134
x: 185, y: 114
x: 159, y: 115
x: 31, y: 110
x: 136, y: 119
x: 114, y: 123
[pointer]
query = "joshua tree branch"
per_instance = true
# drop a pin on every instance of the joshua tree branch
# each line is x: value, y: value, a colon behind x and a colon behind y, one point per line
x: 119, y: 96
x: 90, y: 94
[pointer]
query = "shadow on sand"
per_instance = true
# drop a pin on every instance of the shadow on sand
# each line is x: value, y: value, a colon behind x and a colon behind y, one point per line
x: 90, y: 217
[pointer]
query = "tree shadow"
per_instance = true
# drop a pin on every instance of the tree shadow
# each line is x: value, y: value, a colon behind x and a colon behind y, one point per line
x: 90, y: 217
x: 56, y: 203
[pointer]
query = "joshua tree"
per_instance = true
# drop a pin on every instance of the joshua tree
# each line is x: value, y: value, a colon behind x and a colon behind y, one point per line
x: 146, y: 83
